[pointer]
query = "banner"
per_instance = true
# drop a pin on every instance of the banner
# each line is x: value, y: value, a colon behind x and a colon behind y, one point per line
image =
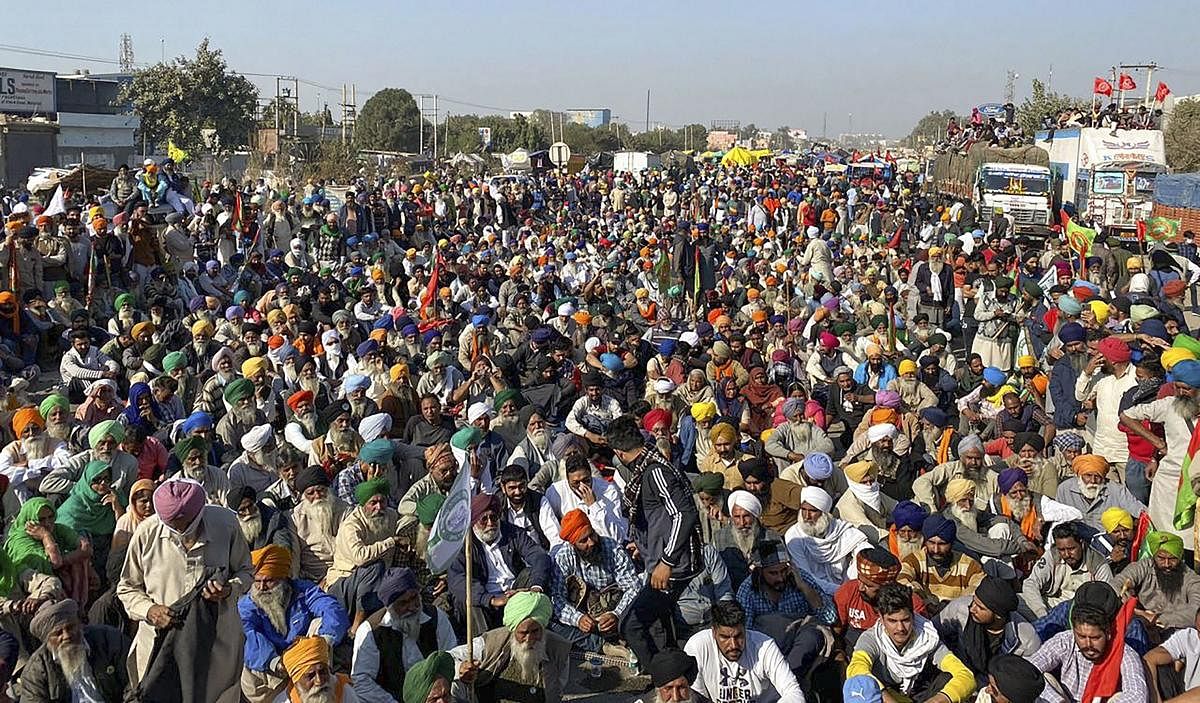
x: 1125, y: 82
x: 453, y: 521
x: 1102, y: 87
x: 57, y: 204
x: 1080, y: 238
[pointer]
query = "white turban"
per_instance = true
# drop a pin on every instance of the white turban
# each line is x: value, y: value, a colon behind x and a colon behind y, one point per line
x: 812, y: 231
x: 478, y: 410
x: 94, y: 387
x: 746, y: 501
x: 374, y: 426
x: 591, y: 344
x: 221, y: 354
x: 566, y: 310
x: 664, y: 385
x: 970, y: 444
x: 690, y: 338
x: 817, y: 498
x: 880, y: 431
x: 330, y: 338
x: 256, y: 438
x: 1139, y: 283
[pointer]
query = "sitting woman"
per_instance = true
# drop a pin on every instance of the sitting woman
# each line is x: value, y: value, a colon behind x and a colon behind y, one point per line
x: 140, y: 507
x: 142, y: 410
x: 37, y: 544
x: 92, y: 508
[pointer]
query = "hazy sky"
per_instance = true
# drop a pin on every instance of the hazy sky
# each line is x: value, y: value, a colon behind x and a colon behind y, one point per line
x: 770, y: 63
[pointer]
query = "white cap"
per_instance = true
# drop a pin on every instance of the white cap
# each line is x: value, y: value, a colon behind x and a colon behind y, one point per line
x: 478, y: 410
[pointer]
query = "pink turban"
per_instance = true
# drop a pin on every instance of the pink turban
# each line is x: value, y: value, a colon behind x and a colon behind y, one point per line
x: 178, y: 498
x: 828, y: 341
x: 887, y: 399
x: 813, y: 411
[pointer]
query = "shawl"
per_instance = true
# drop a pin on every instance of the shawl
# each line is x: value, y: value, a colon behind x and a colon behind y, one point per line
x: 729, y: 407
x: 145, y: 484
x: 819, y: 555
x: 27, y: 552
x: 83, y: 510
x: 132, y: 415
x: 906, y: 666
x: 691, y: 397
x: 761, y: 394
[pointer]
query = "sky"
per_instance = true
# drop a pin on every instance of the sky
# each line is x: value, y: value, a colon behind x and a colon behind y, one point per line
x: 870, y: 66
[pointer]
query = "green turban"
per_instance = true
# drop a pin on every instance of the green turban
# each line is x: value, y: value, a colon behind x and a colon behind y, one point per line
x: 428, y: 507
x: 1184, y: 341
x: 1032, y: 289
x: 51, y: 402
x: 369, y: 489
x: 842, y: 328
x: 174, y: 360
x: 108, y: 428
x: 120, y: 301
x: 185, y: 446
x: 237, y: 389
x: 506, y: 395
x: 438, y: 358
x: 527, y: 604
x: 466, y: 438
x: 1164, y: 542
x: 709, y: 482
x: 419, y: 679
x: 878, y: 320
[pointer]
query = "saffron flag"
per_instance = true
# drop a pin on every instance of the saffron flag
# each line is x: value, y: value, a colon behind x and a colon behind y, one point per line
x: 1125, y: 82
x: 1161, y: 93
x: 1102, y: 87
x: 1185, y: 497
x: 449, y: 529
x: 430, y: 294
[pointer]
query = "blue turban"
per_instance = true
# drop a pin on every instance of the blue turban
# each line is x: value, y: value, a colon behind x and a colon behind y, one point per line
x: 384, y: 323
x: 1068, y: 440
x: 1071, y: 332
x: 196, y: 421
x: 366, y: 347
x: 1187, y: 372
x: 430, y: 336
x: 1070, y: 305
x: 1011, y: 477
x: 909, y: 514
x: 377, y: 451
x: 818, y: 466
x: 541, y: 335
x: 479, y: 320
x: 791, y: 406
x: 356, y: 382
x: 611, y: 361
x: 404, y: 321
x: 936, y: 416
x: 408, y: 330
x: 993, y: 376
x: 394, y: 583
x: 238, y: 311
x: 937, y: 525
x: 778, y: 320
x: 667, y: 347
x: 1155, y: 328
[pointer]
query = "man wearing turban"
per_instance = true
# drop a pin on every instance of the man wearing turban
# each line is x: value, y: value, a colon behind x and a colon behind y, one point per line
x: 977, y: 622
x: 278, y: 611
x: 162, y: 553
x: 738, y: 540
x: 1163, y: 583
x: 972, y: 465
x: 938, y: 573
x: 73, y: 650
x: 429, y: 679
x: 309, y: 666
x: 796, y: 438
x: 316, y: 518
x: 904, y: 535
x: 33, y: 453
x: 243, y: 415
x: 864, y: 504
x: 594, y: 586
x: 821, y: 544
x: 1115, y: 541
x: 305, y: 424
x: 521, y: 652
x: 725, y: 455
x: 104, y: 440
x: 1091, y: 493
x: 368, y: 533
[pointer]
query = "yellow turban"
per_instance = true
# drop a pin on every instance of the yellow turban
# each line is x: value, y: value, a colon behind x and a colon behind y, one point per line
x: 722, y: 431
x: 1113, y: 518
x: 272, y: 561
x: 907, y: 366
x: 703, y: 412
x: 874, y: 350
x: 142, y: 329
x: 1174, y: 355
x: 202, y: 327
x: 303, y: 653
x: 276, y: 316
x: 766, y: 434
x: 1090, y: 464
x: 861, y: 469
x: 958, y: 489
x: 253, y: 366
x: 1100, y: 310
x: 1026, y: 362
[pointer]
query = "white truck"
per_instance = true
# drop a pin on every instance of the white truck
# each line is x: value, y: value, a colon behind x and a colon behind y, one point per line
x: 1106, y: 174
x: 1016, y: 180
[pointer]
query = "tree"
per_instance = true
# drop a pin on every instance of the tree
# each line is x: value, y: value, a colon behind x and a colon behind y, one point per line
x: 929, y: 129
x: 178, y: 99
x: 389, y: 121
x: 1042, y: 103
x: 1182, y: 137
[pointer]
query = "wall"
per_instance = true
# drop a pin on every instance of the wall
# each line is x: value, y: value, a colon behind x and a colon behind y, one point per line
x: 25, y: 146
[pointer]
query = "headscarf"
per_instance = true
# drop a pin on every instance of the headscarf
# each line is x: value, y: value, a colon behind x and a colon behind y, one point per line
x: 420, y: 678
x: 27, y: 553
x: 760, y: 394
x: 133, y: 415
x: 142, y: 484
x: 524, y: 605
x: 83, y: 510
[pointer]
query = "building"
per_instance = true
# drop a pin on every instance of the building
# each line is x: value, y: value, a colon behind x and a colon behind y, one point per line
x: 596, y: 117
x: 721, y: 140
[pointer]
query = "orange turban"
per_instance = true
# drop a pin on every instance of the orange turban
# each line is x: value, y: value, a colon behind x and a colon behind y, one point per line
x: 294, y: 400
x: 882, y: 416
x: 23, y: 417
x: 573, y: 525
x: 303, y: 653
x: 272, y: 561
x: 1094, y: 464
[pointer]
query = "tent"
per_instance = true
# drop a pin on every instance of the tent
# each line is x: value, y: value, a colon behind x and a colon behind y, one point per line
x: 600, y: 161
x: 679, y: 159
x: 760, y: 153
x: 738, y: 156
x: 72, y: 179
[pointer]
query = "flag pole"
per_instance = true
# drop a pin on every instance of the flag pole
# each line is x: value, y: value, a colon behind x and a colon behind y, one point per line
x: 467, y: 596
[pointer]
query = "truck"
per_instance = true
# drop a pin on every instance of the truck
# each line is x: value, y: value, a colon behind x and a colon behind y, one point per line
x: 1177, y: 197
x: 1016, y: 180
x: 1106, y: 174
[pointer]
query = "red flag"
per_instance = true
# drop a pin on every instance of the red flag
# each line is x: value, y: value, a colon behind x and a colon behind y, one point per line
x: 1102, y: 87
x: 894, y: 242
x: 1141, y: 529
x: 1141, y: 230
x: 1161, y: 93
x: 1125, y: 82
x: 1105, y: 679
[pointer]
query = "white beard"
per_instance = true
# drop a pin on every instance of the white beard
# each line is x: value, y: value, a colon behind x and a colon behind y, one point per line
x: 818, y: 528
x: 319, y: 513
x: 969, y: 517
x: 744, y: 539
x: 409, y: 625
x: 341, y: 440
x: 527, y: 660
x: 324, y: 694
x: 1020, y: 508
x: 487, y: 536
x: 1090, y: 490
x: 274, y: 604
x: 72, y: 658
x: 251, y: 526
x: 308, y: 422
x: 312, y: 385
x: 907, y: 547
x: 540, y: 439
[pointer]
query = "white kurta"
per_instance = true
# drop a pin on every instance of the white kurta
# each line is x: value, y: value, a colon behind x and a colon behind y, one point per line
x: 1165, y: 484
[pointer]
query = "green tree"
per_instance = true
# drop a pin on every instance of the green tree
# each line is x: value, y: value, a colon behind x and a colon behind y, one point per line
x: 929, y: 129
x: 1182, y: 137
x: 1042, y: 103
x: 176, y: 100
x: 389, y: 121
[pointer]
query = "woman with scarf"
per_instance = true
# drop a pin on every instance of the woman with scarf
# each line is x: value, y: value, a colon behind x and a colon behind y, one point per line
x: 92, y: 508
x: 730, y: 404
x: 762, y: 398
x: 696, y: 389
x: 100, y: 403
x: 38, y: 543
x: 142, y: 409
x: 140, y: 507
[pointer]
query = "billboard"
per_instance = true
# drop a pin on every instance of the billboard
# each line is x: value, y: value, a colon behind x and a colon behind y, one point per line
x: 26, y: 91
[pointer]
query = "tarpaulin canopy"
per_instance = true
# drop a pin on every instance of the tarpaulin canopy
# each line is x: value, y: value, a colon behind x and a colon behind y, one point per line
x: 738, y: 156
x: 1178, y: 190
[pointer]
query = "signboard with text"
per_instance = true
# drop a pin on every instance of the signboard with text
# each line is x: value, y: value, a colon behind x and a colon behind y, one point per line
x: 26, y: 92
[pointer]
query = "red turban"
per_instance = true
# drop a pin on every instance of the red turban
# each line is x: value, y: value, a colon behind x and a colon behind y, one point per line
x: 655, y: 417
x: 1113, y: 350
x: 482, y: 503
x: 573, y: 525
x: 295, y: 399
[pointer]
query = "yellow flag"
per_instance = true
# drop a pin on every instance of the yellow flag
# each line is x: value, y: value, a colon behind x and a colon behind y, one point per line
x: 177, y: 155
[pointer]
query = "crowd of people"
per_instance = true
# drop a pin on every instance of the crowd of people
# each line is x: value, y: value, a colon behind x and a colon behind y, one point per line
x: 757, y: 433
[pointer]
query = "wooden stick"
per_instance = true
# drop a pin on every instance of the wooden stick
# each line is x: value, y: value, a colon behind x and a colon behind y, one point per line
x: 467, y: 598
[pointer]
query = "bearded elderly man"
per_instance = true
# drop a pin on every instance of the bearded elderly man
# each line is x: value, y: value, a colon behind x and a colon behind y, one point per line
x: 305, y: 423
x: 256, y: 465
x: 1177, y: 415
x: 822, y: 545
x: 32, y: 454
x: 316, y: 518
x: 672, y: 674
x: 982, y: 534
x: 367, y: 534
x: 309, y: 667
x: 192, y: 454
x: 400, y: 630
x: 739, y: 539
x: 276, y: 612
x: 1027, y: 511
x: 884, y: 445
x: 797, y: 438
x: 1091, y: 493
x: 242, y: 417
x: 519, y: 660
x: 864, y: 505
x: 904, y: 534
x: 76, y: 662
x: 442, y: 470
x: 341, y: 440
x: 1167, y: 590
x: 187, y: 545
x: 533, y: 451
x: 972, y: 464
x: 104, y: 439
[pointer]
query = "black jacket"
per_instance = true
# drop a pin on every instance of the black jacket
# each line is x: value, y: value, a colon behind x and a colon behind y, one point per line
x: 42, y: 679
x: 517, y: 549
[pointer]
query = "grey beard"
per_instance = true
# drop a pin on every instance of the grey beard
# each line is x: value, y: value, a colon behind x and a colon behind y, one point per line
x: 321, y: 694
x: 803, y: 430
x: 358, y: 408
x: 908, y: 547
x: 487, y: 536
x: 409, y: 625
x: 319, y: 513
x: 308, y: 423
x: 35, y: 448
x: 936, y: 266
x: 71, y: 659
x: 818, y: 528
x: 1020, y: 508
x: 527, y: 660
x: 274, y: 604
x: 1090, y: 490
x: 342, y: 440
x: 245, y: 417
x: 58, y: 430
x: 1186, y: 407
x: 1079, y: 361
x: 744, y: 539
x: 312, y: 385
x: 251, y: 526
x: 199, y: 473
x: 540, y: 439
x: 967, y: 516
